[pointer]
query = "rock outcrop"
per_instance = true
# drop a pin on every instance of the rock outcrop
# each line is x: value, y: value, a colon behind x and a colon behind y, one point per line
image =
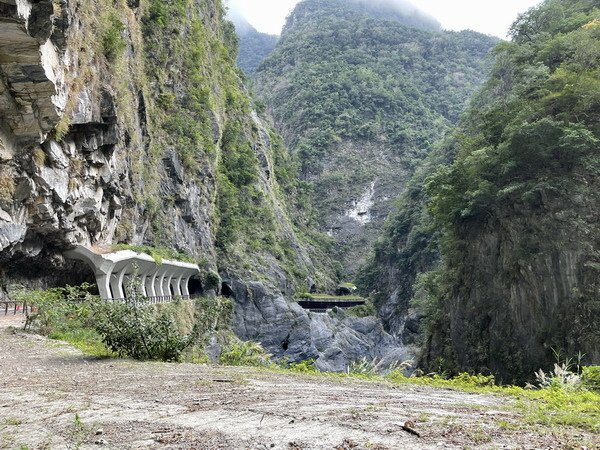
x: 333, y: 339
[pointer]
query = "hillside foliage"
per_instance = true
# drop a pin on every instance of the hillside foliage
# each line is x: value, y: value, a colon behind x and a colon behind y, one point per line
x: 339, y: 74
x: 360, y: 98
x: 515, y: 214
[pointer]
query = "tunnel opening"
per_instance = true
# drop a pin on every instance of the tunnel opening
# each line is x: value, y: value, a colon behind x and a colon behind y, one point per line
x: 226, y: 290
x: 195, y: 287
x: 45, y: 271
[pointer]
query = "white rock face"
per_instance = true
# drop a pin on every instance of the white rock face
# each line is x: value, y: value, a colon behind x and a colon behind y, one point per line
x: 30, y: 71
x: 361, y: 208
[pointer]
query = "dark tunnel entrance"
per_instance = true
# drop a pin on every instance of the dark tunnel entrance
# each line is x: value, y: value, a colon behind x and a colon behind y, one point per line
x: 226, y: 290
x: 195, y: 287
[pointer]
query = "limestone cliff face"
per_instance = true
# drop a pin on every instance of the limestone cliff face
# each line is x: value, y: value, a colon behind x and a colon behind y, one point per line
x: 54, y: 194
x: 111, y: 133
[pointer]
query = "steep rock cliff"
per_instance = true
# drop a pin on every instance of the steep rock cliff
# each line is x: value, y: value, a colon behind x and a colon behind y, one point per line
x: 121, y: 125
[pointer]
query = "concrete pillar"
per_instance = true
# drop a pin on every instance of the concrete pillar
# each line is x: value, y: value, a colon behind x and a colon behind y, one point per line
x: 103, y: 282
x: 158, y: 282
x: 176, y: 284
x: 150, y: 284
x: 167, y: 282
x: 184, y: 285
x: 116, y: 283
x: 142, y: 281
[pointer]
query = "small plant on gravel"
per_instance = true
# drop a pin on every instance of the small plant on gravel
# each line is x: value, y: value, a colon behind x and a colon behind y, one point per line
x: 373, y: 367
x: 363, y: 367
x: 12, y: 421
x: 79, y: 432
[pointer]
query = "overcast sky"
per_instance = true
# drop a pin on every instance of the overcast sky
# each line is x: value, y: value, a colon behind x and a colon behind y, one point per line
x: 487, y: 16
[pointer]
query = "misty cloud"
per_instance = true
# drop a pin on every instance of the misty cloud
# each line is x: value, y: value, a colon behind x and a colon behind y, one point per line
x: 402, y: 8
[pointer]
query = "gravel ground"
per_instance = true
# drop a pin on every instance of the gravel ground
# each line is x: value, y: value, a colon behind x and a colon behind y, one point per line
x: 53, y: 397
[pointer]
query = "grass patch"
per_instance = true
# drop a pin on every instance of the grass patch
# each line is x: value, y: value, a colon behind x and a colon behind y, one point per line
x: 551, y: 406
x: 85, y: 339
x: 12, y: 421
x: 157, y: 253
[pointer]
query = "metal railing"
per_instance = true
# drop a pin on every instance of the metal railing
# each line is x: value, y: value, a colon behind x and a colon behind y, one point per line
x: 8, y: 307
x: 152, y: 300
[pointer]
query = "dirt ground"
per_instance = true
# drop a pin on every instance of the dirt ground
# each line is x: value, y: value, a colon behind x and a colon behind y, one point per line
x: 53, y: 397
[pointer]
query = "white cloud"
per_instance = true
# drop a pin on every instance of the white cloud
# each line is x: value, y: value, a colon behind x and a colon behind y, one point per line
x: 486, y: 16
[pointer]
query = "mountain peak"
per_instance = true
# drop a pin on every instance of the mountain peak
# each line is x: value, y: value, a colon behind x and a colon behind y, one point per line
x: 399, y: 10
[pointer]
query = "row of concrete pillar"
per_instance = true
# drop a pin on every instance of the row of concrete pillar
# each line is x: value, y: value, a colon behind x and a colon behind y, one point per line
x: 117, y: 271
x: 159, y: 282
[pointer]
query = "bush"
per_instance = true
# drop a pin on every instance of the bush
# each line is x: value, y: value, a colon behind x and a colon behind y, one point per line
x: 142, y: 332
x: 112, y: 41
x: 590, y: 377
x: 60, y: 309
x: 162, y: 332
x: 306, y: 366
x: 366, y: 310
x: 245, y: 353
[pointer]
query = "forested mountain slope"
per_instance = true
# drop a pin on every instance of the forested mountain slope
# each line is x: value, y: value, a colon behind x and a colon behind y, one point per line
x: 254, y: 46
x: 516, y: 214
x: 360, y: 97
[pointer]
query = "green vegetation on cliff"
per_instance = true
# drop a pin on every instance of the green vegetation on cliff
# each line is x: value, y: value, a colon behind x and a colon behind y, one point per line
x: 254, y: 46
x: 517, y: 209
x: 340, y: 73
x: 360, y: 99
x: 201, y: 110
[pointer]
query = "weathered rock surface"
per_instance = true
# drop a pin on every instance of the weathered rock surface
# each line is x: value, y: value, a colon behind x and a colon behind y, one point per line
x: 334, y: 340
x: 83, y: 187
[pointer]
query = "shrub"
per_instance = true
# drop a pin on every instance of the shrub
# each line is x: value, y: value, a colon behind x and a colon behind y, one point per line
x: 60, y: 309
x: 590, y: 377
x: 245, y: 353
x: 212, y: 280
x: 366, y: 310
x: 112, y: 40
x: 142, y: 332
x: 306, y: 366
x: 160, y: 332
